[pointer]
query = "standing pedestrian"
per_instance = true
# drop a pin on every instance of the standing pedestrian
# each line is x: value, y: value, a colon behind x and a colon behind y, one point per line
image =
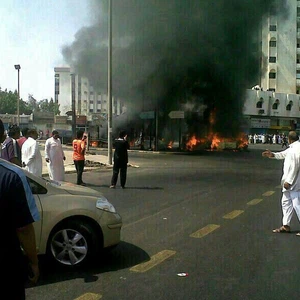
x: 23, y: 138
x: 11, y: 150
x: 121, y: 146
x: 55, y: 157
x: 31, y: 154
x: 290, y: 181
x: 18, y: 212
x: 79, y: 148
x: 284, y: 142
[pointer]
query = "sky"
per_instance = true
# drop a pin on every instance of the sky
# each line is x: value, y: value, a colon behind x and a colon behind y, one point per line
x: 32, y: 34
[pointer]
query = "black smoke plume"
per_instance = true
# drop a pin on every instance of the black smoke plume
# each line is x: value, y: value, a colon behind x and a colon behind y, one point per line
x: 177, y: 55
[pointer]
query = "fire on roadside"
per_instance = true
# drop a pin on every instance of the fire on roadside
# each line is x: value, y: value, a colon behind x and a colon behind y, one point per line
x: 215, y: 142
x: 170, y: 145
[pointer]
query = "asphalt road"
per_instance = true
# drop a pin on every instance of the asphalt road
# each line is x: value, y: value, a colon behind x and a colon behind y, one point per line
x: 208, y: 214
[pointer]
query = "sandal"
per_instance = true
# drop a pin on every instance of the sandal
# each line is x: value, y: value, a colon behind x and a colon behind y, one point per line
x: 283, y: 229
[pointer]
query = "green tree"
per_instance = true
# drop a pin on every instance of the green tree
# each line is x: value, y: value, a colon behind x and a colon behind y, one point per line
x: 54, y: 107
x: 49, y: 106
x: 8, y: 102
x: 33, y: 103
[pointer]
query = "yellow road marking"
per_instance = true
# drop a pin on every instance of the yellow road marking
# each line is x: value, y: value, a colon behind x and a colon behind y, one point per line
x: 233, y: 214
x: 254, y: 201
x: 204, y: 231
x: 155, y: 260
x: 89, y: 296
x: 268, y: 193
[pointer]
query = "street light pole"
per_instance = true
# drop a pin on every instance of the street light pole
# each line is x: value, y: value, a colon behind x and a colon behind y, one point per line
x: 18, y: 67
x: 109, y: 83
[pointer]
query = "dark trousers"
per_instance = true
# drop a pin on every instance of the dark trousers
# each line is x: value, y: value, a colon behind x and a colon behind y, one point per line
x: 79, y: 165
x: 122, y: 168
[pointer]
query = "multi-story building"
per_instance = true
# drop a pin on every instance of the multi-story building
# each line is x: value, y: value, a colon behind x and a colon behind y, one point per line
x: 88, y: 101
x: 275, y: 105
x: 270, y: 112
x: 280, y: 41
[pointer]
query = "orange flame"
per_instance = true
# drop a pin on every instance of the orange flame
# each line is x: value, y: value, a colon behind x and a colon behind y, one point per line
x: 170, y: 145
x: 218, y: 143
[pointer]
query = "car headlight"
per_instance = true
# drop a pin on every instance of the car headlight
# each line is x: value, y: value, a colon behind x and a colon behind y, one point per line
x: 102, y: 203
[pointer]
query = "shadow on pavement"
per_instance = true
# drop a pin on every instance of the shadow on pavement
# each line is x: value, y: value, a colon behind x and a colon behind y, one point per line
x: 123, y: 256
x: 126, y: 187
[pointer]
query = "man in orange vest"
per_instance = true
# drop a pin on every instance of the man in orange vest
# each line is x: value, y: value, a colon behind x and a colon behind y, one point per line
x: 79, y: 148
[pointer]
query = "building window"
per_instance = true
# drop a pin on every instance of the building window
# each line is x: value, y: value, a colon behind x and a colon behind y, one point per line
x: 272, y: 43
x: 91, y: 101
x: 99, y: 102
x: 275, y: 104
x: 289, y: 106
x: 56, y: 85
x: 272, y: 75
x: 259, y: 104
x: 272, y: 59
x: 273, y: 27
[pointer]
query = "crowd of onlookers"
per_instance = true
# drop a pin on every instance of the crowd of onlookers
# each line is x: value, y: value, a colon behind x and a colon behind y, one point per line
x: 280, y: 139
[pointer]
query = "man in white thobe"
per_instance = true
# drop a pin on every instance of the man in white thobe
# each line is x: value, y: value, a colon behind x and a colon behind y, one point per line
x: 31, y: 155
x: 290, y: 181
x: 55, y: 157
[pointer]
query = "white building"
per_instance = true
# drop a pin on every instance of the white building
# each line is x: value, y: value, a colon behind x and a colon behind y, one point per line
x: 280, y: 40
x: 271, y: 112
x: 88, y: 101
x: 275, y: 105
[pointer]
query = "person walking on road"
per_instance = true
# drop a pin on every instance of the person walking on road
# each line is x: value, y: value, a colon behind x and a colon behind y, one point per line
x: 55, y: 157
x: 79, y: 148
x: 18, y: 212
x: 121, y: 146
x: 290, y: 181
x: 31, y: 154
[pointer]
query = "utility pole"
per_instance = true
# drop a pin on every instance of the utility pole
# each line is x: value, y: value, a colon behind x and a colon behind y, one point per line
x: 73, y: 105
x: 109, y: 83
x: 18, y: 67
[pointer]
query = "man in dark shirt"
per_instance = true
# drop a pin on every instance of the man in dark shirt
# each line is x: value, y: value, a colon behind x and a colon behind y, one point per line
x: 120, y: 160
x: 18, y: 211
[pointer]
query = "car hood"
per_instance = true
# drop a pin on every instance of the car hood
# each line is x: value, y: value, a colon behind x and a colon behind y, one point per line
x: 75, y: 189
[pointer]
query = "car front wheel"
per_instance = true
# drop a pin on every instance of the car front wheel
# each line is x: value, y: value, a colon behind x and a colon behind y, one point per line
x: 73, y: 243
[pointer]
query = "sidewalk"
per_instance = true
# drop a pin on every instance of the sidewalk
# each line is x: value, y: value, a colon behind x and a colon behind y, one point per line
x: 92, y: 161
x: 272, y: 147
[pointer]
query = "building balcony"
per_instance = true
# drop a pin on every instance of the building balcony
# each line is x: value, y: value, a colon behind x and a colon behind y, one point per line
x: 298, y: 51
x: 298, y: 82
